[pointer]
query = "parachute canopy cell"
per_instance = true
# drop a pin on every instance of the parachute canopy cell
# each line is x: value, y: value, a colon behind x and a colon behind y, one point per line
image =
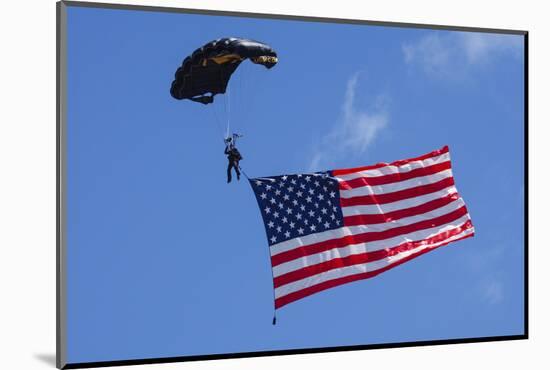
x: 207, y: 71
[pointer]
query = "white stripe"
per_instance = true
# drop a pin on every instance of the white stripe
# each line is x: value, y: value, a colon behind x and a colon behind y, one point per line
x: 356, y: 269
x: 391, y: 169
x: 372, y: 209
x: 396, y: 186
x: 361, y: 248
x: 351, y: 230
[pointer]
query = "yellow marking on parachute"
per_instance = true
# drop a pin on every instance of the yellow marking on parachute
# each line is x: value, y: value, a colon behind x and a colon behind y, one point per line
x: 228, y: 58
x: 265, y: 59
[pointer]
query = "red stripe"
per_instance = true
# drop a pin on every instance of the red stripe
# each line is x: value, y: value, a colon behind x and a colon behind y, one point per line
x: 282, y: 301
x: 357, y: 259
x: 347, y: 171
x: 307, y: 250
x: 380, y: 218
x: 394, y: 177
x: 397, y: 195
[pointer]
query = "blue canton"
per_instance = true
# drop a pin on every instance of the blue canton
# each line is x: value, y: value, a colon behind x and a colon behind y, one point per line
x: 293, y: 206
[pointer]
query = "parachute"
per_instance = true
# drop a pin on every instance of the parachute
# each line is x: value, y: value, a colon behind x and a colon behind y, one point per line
x: 208, y: 70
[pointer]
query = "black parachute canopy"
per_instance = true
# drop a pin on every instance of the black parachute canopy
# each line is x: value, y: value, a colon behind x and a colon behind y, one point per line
x: 210, y: 67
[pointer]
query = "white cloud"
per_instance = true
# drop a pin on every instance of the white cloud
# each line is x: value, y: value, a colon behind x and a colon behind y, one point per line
x: 493, y: 291
x: 432, y: 53
x: 354, y: 133
x: 449, y: 55
x: 481, y: 48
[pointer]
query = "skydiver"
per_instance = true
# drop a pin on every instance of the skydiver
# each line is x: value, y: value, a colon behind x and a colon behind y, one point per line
x: 233, y: 156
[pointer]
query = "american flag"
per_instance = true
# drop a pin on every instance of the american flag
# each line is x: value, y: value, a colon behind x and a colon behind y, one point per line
x: 329, y: 228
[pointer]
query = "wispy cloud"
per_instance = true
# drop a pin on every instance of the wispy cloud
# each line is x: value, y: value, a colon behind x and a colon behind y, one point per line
x: 430, y: 53
x: 484, y: 266
x: 451, y: 55
x: 356, y: 130
x: 492, y: 291
x: 482, y: 48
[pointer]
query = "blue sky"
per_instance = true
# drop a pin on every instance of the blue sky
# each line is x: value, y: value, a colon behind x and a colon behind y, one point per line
x: 166, y: 259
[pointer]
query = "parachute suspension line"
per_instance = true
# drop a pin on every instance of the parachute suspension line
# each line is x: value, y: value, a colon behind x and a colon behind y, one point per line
x: 228, y: 111
x: 235, y: 100
x: 243, y: 93
x: 239, y: 100
x: 226, y: 115
x: 217, y: 120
